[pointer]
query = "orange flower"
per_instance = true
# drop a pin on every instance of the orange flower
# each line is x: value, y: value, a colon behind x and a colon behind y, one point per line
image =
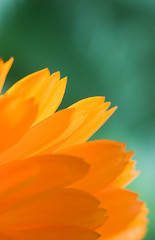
x: 55, y: 185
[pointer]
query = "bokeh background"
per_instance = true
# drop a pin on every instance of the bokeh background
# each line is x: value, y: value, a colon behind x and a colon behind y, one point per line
x: 105, y: 47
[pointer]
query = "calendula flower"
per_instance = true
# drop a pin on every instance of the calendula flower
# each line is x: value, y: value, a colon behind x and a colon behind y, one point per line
x: 54, y: 184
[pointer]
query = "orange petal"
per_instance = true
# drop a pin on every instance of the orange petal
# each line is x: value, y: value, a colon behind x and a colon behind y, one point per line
x: 8, y: 234
x: 37, y: 175
x: 107, y: 160
x: 47, y: 91
x: 123, y: 209
x: 95, y: 108
x: 78, y: 124
x: 31, y: 85
x: 89, y: 116
x: 62, y: 207
x: 136, y: 230
x: 16, y: 116
x: 127, y: 176
x: 40, y: 136
x: 4, y: 69
x: 59, y: 232
x: 52, y: 96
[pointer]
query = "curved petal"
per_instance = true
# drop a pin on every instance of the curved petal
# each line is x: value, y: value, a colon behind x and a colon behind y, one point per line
x: 37, y: 175
x: 59, y: 232
x: 89, y: 115
x: 16, y: 117
x: 39, y: 136
x: 123, y: 211
x: 47, y: 91
x: 4, y: 69
x: 31, y: 85
x: 62, y: 207
x: 95, y: 108
x: 75, y: 125
x: 52, y: 96
x: 127, y: 176
x: 136, y: 230
x: 107, y: 160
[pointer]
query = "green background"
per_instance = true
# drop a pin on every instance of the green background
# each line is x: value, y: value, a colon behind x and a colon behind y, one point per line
x: 105, y: 47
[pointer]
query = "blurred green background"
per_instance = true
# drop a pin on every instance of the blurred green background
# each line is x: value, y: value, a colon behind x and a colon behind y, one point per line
x: 105, y: 47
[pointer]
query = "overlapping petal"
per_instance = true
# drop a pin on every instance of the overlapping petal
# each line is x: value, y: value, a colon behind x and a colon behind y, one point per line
x: 136, y: 229
x: 40, y: 136
x: 40, y: 174
x: 128, y: 175
x: 59, y: 232
x: 46, y: 90
x: 96, y: 113
x: 62, y: 207
x: 55, y: 184
x: 108, y: 161
x: 89, y: 115
x: 72, y: 128
x: 16, y: 117
x: 125, y: 213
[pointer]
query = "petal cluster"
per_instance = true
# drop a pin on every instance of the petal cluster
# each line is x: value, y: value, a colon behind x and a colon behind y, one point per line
x: 55, y: 184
